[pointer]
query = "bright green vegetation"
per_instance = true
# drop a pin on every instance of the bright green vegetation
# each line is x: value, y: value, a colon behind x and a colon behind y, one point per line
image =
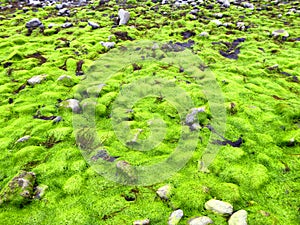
x: 261, y: 176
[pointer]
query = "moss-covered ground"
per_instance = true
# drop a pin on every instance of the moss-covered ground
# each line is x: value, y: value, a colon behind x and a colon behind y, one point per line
x: 262, y: 102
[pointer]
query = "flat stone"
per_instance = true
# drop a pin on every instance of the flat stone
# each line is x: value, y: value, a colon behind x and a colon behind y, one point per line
x: 281, y: 33
x: 33, y: 23
x: 36, y: 79
x: 203, y: 220
x: 220, y: 207
x: 238, y: 218
x: 93, y: 25
x: 108, y: 44
x: 67, y: 25
x: 23, y: 139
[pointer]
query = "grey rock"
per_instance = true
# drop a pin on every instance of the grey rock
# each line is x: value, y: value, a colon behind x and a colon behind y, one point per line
x: 36, y: 79
x: 23, y: 139
x: 57, y: 119
x: 220, y: 207
x: 124, y: 16
x: 67, y: 25
x: 175, y: 217
x: 93, y: 25
x: 33, y: 23
x: 63, y: 12
x: 203, y: 220
x: 238, y: 218
x: 164, y: 192
x: 142, y: 222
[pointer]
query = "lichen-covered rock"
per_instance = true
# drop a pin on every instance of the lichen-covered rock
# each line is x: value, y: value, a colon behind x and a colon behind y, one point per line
x: 19, y: 190
x: 238, y: 218
x: 66, y: 81
x: 164, y: 192
x: 175, y: 217
x: 36, y: 79
x: 72, y: 104
x: 203, y: 220
x: 124, y: 16
x: 40, y: 191
x: 219, y: 207
x: 142, y: 222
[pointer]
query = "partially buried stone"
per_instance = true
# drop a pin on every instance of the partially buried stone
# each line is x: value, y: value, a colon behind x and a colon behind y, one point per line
x: 33, y: 23
x: 19, y: 190
x: 280, y: 33
x: 164, y: 192
x: 66, y: 80
x: 72, y: 104
x: 36, y: 79
x: 108, y: 44
x: 175, y: 217
x: 93, y: 25
x: 203, y: 220
x: 219, y: 207
x: 23, y: 139
x: 142, y: 222
x: 238, y: 218
x: 67, y: 25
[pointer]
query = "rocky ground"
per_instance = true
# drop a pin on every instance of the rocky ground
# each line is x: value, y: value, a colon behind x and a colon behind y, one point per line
x: 47, y: 49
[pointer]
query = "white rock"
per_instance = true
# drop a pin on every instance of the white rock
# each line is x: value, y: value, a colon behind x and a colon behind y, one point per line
x: 217, y: 22
x: 240, y: 25
x: 219, y: 207
x: 124, y: 16
x: 226, y: 4
x: 175, y: 217
x: 238, y: 218
x: 108, y: 44
x: 164, y: 192
x: 204, y: 34
x: 36, y: 79
x: 23, y: 139
x: 141, y: 222
x: 203, y: 220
